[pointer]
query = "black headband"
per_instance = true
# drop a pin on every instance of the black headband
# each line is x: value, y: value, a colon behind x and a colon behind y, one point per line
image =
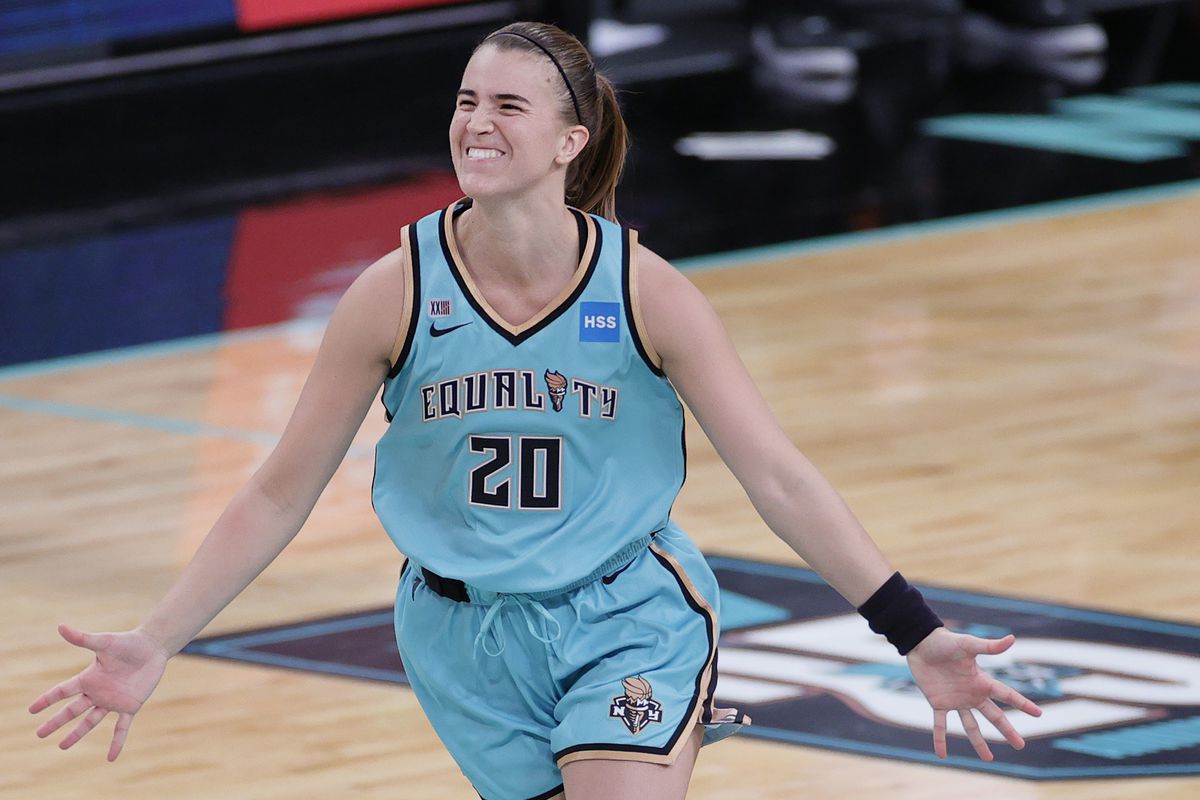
x: 574, y: 100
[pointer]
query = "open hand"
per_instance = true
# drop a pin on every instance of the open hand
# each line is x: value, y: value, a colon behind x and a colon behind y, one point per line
x: 944, y: 667
x: 126, y: 669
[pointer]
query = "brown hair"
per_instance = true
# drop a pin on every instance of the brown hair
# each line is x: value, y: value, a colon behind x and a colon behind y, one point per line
x: 593, y: 175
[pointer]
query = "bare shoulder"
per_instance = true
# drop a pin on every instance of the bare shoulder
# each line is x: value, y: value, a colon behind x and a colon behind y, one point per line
x: 385, y: 275
x: 670, y: 305
x: 657, y: 277
x: 370, y: 311
x: 665, y: 292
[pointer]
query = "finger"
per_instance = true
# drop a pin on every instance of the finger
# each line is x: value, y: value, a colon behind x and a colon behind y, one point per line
x: 1006, y: 694
x: 65, y: 715
x: 92, y: 641
x: 83, y: 728
x: 991, y: 647
x: 1000, y: 720
x: 939, y: 732
x: 119, y: 734
x: 974, y: 734
x: 67, y: 688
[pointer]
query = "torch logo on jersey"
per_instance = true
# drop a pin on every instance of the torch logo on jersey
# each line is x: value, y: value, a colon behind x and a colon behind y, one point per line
x: 636, y: 708
x: 556, y: 383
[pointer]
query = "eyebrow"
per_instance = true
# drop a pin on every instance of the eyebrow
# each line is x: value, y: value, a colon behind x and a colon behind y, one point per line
x: 471, y: 93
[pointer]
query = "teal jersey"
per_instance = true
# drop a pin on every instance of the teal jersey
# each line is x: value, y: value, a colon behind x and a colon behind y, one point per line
x: 520, y: 458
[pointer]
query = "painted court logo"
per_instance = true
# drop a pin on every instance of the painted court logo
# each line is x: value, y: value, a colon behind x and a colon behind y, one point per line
x: 1121, y: 694
x: 637, y: 708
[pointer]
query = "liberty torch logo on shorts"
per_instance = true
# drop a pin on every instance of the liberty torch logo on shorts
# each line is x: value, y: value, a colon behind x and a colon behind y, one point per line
x: 636, y: 708
x: 599, y: 322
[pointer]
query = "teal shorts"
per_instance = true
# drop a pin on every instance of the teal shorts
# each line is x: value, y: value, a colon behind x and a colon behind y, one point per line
x: 517, y: 686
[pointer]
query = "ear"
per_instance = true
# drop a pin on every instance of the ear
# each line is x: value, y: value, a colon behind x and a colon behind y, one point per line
x: 571, y: 143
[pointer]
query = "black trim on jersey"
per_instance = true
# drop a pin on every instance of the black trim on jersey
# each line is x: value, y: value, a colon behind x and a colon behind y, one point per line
x: 467, y: 202
x: 698, y: 698
x: 628, y: 297
x: 410, y: 334
x: 516, y: 338
x: 375, y: 467
x: 683, y: 451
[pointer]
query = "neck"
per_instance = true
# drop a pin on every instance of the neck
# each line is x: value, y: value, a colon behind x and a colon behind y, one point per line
x: 524, y: 242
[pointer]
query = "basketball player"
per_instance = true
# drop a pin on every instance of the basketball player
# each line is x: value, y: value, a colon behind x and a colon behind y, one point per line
x: 558, y: 629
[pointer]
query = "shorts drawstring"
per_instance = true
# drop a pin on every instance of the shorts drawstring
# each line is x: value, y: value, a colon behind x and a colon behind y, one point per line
x: 523, y: 602
x: 462, y: 592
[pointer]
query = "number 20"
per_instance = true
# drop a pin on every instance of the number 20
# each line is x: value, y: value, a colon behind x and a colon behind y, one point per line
x: 539, y: 480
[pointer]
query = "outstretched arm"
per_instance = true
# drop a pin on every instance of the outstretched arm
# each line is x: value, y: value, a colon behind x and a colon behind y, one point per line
x: 793, y: 498
x: 270, y: 509
x: 796, y: 501
x: 257, y: 524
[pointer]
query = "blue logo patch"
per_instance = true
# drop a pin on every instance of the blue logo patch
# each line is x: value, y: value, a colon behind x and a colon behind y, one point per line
x: 599, y: 322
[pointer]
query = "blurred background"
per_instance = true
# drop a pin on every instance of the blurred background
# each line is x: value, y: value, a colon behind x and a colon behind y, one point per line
x: 175, y: 168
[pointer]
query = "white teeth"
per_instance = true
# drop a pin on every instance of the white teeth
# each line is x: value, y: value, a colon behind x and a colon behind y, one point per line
x: 479, y: 154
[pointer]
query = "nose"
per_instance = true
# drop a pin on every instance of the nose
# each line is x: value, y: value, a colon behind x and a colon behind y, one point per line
x: 480, y: 121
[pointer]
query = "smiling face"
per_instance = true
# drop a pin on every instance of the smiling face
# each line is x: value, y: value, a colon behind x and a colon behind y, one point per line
x: 508, y: 133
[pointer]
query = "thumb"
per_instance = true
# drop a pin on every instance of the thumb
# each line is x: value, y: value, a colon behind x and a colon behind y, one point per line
x: 78, y: 638
x: 991, y: 647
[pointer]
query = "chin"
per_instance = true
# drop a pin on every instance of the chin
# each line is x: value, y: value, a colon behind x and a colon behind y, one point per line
x: 476, y: 189
x: 475, y: 185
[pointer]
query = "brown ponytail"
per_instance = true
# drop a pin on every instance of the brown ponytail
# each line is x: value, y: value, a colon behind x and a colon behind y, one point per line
x: 593, y: 175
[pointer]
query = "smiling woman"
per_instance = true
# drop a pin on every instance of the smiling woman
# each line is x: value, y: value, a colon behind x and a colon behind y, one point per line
x: 558, y: 628
x: 565, y: 87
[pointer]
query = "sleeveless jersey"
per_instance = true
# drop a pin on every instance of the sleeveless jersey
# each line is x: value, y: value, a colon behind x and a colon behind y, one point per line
x: 520, y: 458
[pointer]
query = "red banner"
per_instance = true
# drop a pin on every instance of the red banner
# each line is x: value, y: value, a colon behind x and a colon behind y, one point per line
x: 259, y: 15
x: 294, y: 259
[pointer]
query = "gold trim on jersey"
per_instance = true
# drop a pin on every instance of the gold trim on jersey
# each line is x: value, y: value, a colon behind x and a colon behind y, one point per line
x: 635, y: 303
x: 580, y: 273
x: 406, y: 308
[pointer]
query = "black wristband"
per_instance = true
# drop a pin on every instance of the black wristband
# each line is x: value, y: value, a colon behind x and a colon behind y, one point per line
x: 899, y: 612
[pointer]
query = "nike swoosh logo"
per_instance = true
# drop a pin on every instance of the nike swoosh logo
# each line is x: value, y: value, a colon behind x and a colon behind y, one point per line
x: 443, y: 331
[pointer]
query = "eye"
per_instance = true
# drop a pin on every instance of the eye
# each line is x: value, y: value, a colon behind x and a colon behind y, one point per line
x: 510, y: 105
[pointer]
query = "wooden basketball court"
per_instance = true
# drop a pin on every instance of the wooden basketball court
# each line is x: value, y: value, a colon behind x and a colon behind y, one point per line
x: 1010, y: 407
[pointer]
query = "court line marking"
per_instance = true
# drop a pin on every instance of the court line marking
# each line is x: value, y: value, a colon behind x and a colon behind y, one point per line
x: 152, y: 423
x: 169, y: 347
x: 145, y: 421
